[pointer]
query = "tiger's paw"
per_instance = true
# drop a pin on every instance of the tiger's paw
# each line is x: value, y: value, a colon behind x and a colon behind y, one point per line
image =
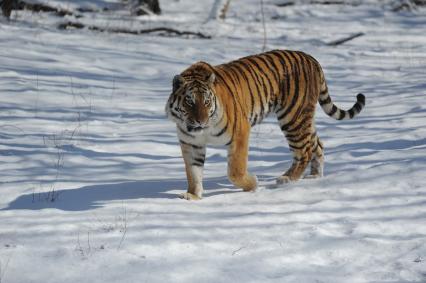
x: 189, y: 196
x: 283, y: 180
x: 312, y: 176
x: 253, y: 185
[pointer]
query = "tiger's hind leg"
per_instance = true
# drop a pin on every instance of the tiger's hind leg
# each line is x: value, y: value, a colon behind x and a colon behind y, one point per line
x: 300, y: 144
x: 317, y: 161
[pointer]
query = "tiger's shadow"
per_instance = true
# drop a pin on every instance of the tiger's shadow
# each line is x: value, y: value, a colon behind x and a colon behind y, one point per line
x: 97, y: 196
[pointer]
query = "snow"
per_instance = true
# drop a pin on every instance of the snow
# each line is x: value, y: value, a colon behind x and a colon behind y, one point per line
x: 90, y: 168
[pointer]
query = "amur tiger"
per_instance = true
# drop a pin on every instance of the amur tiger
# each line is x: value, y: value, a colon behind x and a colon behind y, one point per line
x: 219, y: 104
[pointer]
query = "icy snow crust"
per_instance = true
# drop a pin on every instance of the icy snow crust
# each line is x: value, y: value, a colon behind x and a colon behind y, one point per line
x: 90, y: 168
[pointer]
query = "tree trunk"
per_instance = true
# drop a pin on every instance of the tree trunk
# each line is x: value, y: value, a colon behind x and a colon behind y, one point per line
x: 7, y: 6
x: 143, y: 7
x: 219, y: 10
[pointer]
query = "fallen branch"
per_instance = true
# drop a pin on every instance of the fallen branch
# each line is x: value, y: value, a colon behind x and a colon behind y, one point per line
x: 409, y: 5
x: 320, y: 2
x: 145, y: 7
x: 285, y: 4
x: 419, y: 2
x: 162, y: 30
x: 343, y: 40
x: 38, y: 7
x: 329, y: 2
x: 7, y: 6
x: 69, y: 25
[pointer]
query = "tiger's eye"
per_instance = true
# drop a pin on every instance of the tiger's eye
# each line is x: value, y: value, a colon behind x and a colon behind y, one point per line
x: 207, y: 101
x: 188, y: 100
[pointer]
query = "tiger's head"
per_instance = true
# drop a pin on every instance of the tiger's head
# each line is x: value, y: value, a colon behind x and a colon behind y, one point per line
x: 192, y: 104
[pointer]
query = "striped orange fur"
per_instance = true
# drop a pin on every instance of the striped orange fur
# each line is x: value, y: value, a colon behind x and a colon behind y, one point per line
x: 219, y: 104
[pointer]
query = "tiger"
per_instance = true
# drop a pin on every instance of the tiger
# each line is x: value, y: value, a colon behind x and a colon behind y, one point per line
x: 218, y: 105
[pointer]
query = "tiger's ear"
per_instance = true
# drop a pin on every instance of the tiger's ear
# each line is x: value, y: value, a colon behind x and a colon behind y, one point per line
x: 211, y: 79
x: 178, y: 80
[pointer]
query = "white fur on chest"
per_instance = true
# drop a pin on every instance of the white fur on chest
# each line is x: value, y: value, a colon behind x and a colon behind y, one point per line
x: 204, y: 137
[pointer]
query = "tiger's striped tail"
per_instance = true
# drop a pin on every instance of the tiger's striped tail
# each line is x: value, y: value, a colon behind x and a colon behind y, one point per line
x: 333, y: 111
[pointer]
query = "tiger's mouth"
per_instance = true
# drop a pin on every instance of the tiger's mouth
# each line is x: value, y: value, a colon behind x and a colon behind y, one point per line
x: 194, y: 129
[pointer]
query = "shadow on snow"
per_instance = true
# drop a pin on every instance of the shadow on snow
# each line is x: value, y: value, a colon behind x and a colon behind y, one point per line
x: 95, y: 196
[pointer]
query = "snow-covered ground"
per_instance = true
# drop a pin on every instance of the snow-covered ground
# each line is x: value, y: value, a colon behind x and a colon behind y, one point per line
x: 90, y: 168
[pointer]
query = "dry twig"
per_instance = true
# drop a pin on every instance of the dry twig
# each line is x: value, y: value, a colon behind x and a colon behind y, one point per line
x: 343, y: 40
x: 162, y: 30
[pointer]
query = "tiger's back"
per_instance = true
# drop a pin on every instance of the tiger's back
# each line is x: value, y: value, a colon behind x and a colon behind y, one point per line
x: 284, y: 82
x: 245, y: 91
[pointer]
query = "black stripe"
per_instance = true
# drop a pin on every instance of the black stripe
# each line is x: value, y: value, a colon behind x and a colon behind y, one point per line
x: 299, y: 147
x: 299, y: 125
x: 360, y: 98
x: 358, y: 107
x: 256, y: 82
x: 300, y: 106
x: 268, y: 70
x: 175, y: 97
x: 297, y: 159
x: 265, y: 95
x: 341, y: 115
x: 236, y: 84
x: 260, y: 84
x: 281, y: 79
x: 215, y: 106
x: 319, y: 143
x: 351, y: 113
x: 220, y: 120
x: 295, y: 77
x: 179, y: 99
x: 233, y: 79
x: 325, y: 101
x: 254, y: 120
x: 237, y: 73
x: 225, y: 83
x: 298, y: 138
x: 305, y: 77
x: 241, y: 70
x: 185, y: 132
x: 274, y: 69
x: 190, y: 144
x: 233, y: 102
x: 284, y: 127
x: 282, y: 62
x: 307, y: 66
x: 291, y: 136
x: 286, y: 74
x: 175, y: 115
x: 255, y: 91
x: 199, y: 160
x: 333, y: 110
x: 221, y: 131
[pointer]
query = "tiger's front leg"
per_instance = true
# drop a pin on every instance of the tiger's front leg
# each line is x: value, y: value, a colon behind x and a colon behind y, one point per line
x: 237, y: 163
x: 194, y: 157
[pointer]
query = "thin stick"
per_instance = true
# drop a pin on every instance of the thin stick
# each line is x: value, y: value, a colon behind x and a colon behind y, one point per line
x: 224, y: 10
x: 76, y: 25
x: 264, y: 26
x: 343, y: 40
x: 124, y: 227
